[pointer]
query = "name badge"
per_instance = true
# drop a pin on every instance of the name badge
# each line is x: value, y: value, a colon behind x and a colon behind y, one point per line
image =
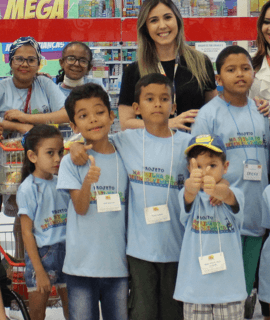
x: 157, y: 214
x: 108, y: 202
x: 252, y: 172
x: 213, y: 263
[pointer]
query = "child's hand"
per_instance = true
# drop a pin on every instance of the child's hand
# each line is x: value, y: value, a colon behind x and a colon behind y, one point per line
x: 193, y: 184
x: 215, y: 201
x: 78, y: 153
x: 262, y: 105
x: 94, y: 172
x: 43, y: 282
x: 209, y: 183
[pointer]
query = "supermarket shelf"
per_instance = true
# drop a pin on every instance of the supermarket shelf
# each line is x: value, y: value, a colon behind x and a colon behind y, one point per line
x: 106, y: 48
x: 114, y: 92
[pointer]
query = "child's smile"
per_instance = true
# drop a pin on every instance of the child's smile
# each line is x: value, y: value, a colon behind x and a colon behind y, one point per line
x: 93, y: 120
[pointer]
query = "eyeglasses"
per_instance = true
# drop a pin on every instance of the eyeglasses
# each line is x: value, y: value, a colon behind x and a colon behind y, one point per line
x: 31, y: 61
x: 72, y: 60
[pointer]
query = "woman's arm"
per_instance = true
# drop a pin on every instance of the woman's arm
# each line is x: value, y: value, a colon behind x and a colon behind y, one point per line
x: 128, y: 119
x: 16, y: 126
x: 59, y: 116
x: 42, y: 278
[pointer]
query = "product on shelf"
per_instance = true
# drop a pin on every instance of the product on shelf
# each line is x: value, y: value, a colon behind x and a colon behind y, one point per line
x: 13, y: 143
x: 13, y: 177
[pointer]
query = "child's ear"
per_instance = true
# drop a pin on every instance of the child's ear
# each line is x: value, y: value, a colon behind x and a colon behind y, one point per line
x: 112, y: 117
x: 173, y: 109
x: 218, y: 80
x: 74, y: 128
x: 31, y: 156
x: 136, y: 108
x: 226, y: 166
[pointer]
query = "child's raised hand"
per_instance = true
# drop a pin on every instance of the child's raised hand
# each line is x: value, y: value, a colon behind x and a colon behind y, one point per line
x: 94, y: 171
x: 209, y: 183
x: 193, y: 184
x: 43, y: 282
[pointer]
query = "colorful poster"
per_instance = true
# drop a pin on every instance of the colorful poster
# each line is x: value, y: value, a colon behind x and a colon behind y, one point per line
x: 34, y: 9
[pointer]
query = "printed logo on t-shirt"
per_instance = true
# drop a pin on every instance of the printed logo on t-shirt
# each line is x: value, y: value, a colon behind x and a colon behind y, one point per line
x: 157, y: 178
x: 209, y: 224
x: 59, y: 219
x: 247, y: 140
x: 106, y: 190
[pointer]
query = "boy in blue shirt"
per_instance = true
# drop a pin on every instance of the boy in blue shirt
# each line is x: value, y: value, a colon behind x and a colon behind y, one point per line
x: 156, y: 166
x: 245, y: 132
x: 210, y: 279
x: 95, y: 262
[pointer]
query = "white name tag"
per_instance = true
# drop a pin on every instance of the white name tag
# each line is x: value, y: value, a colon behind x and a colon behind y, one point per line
x: 108, y: 202
x: 252, y: 172
x: 157, y: 214
x: 213, y: 263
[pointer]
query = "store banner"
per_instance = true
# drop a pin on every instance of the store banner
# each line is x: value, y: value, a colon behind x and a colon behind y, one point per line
x: 45, y: 46
x: 34, y: 9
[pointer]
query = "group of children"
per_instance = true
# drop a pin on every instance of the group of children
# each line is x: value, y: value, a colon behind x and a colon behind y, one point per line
x: 157, y: 205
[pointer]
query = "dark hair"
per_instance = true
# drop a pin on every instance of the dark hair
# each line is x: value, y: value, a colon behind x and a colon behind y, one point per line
x: 152, y: 78
x: 61, y: 72
x: 223, y: 55
x: 31, y: 142
x: 198, y: 150
x: 262, y: 44
x: 86, y: 91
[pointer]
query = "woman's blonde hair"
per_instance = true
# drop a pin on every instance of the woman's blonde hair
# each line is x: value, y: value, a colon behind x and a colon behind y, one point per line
x: 147, y: 55
x: 262, y: 44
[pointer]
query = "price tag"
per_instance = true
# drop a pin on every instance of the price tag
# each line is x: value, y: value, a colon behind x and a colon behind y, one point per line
x: 213, y: 263
x: 108, y: 202
x: 252, y: 172
x: 157, y: 214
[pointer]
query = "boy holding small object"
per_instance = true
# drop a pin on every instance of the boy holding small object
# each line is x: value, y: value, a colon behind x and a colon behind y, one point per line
x: 210, y: 278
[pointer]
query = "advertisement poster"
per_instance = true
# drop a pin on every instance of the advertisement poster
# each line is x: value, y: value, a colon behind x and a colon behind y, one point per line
x: 37, y: 9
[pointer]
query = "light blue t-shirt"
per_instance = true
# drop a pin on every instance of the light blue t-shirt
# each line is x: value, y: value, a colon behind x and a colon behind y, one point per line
x: 96, y: 241
x: 264, y: 275
x: 246, y: 135
x: 219, y: 287
x: 46, y: 207
x: 159, y: 242
x: 45, y: 97
x: 87, y: 79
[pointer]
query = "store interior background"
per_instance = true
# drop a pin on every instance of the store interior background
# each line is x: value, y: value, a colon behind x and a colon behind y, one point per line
x: 108, y: 27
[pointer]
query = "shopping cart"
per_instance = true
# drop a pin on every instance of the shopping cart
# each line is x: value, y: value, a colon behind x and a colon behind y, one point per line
x: 15, y: 270
x: 11, y: 160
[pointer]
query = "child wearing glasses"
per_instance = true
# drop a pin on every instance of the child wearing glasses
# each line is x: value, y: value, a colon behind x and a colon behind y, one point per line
x: 76, y: 62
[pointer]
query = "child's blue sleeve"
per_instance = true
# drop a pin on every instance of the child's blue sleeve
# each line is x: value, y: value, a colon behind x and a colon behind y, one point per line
x: 26, y: 201
x: 202, y: 124
x: 54, y: 94
x: 184, y: 216
x: 266, y: 208
x: 68, y: 176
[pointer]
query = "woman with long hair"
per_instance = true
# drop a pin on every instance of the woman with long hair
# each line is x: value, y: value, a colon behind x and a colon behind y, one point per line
x: 261, y: 60
x: 162, y: 48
